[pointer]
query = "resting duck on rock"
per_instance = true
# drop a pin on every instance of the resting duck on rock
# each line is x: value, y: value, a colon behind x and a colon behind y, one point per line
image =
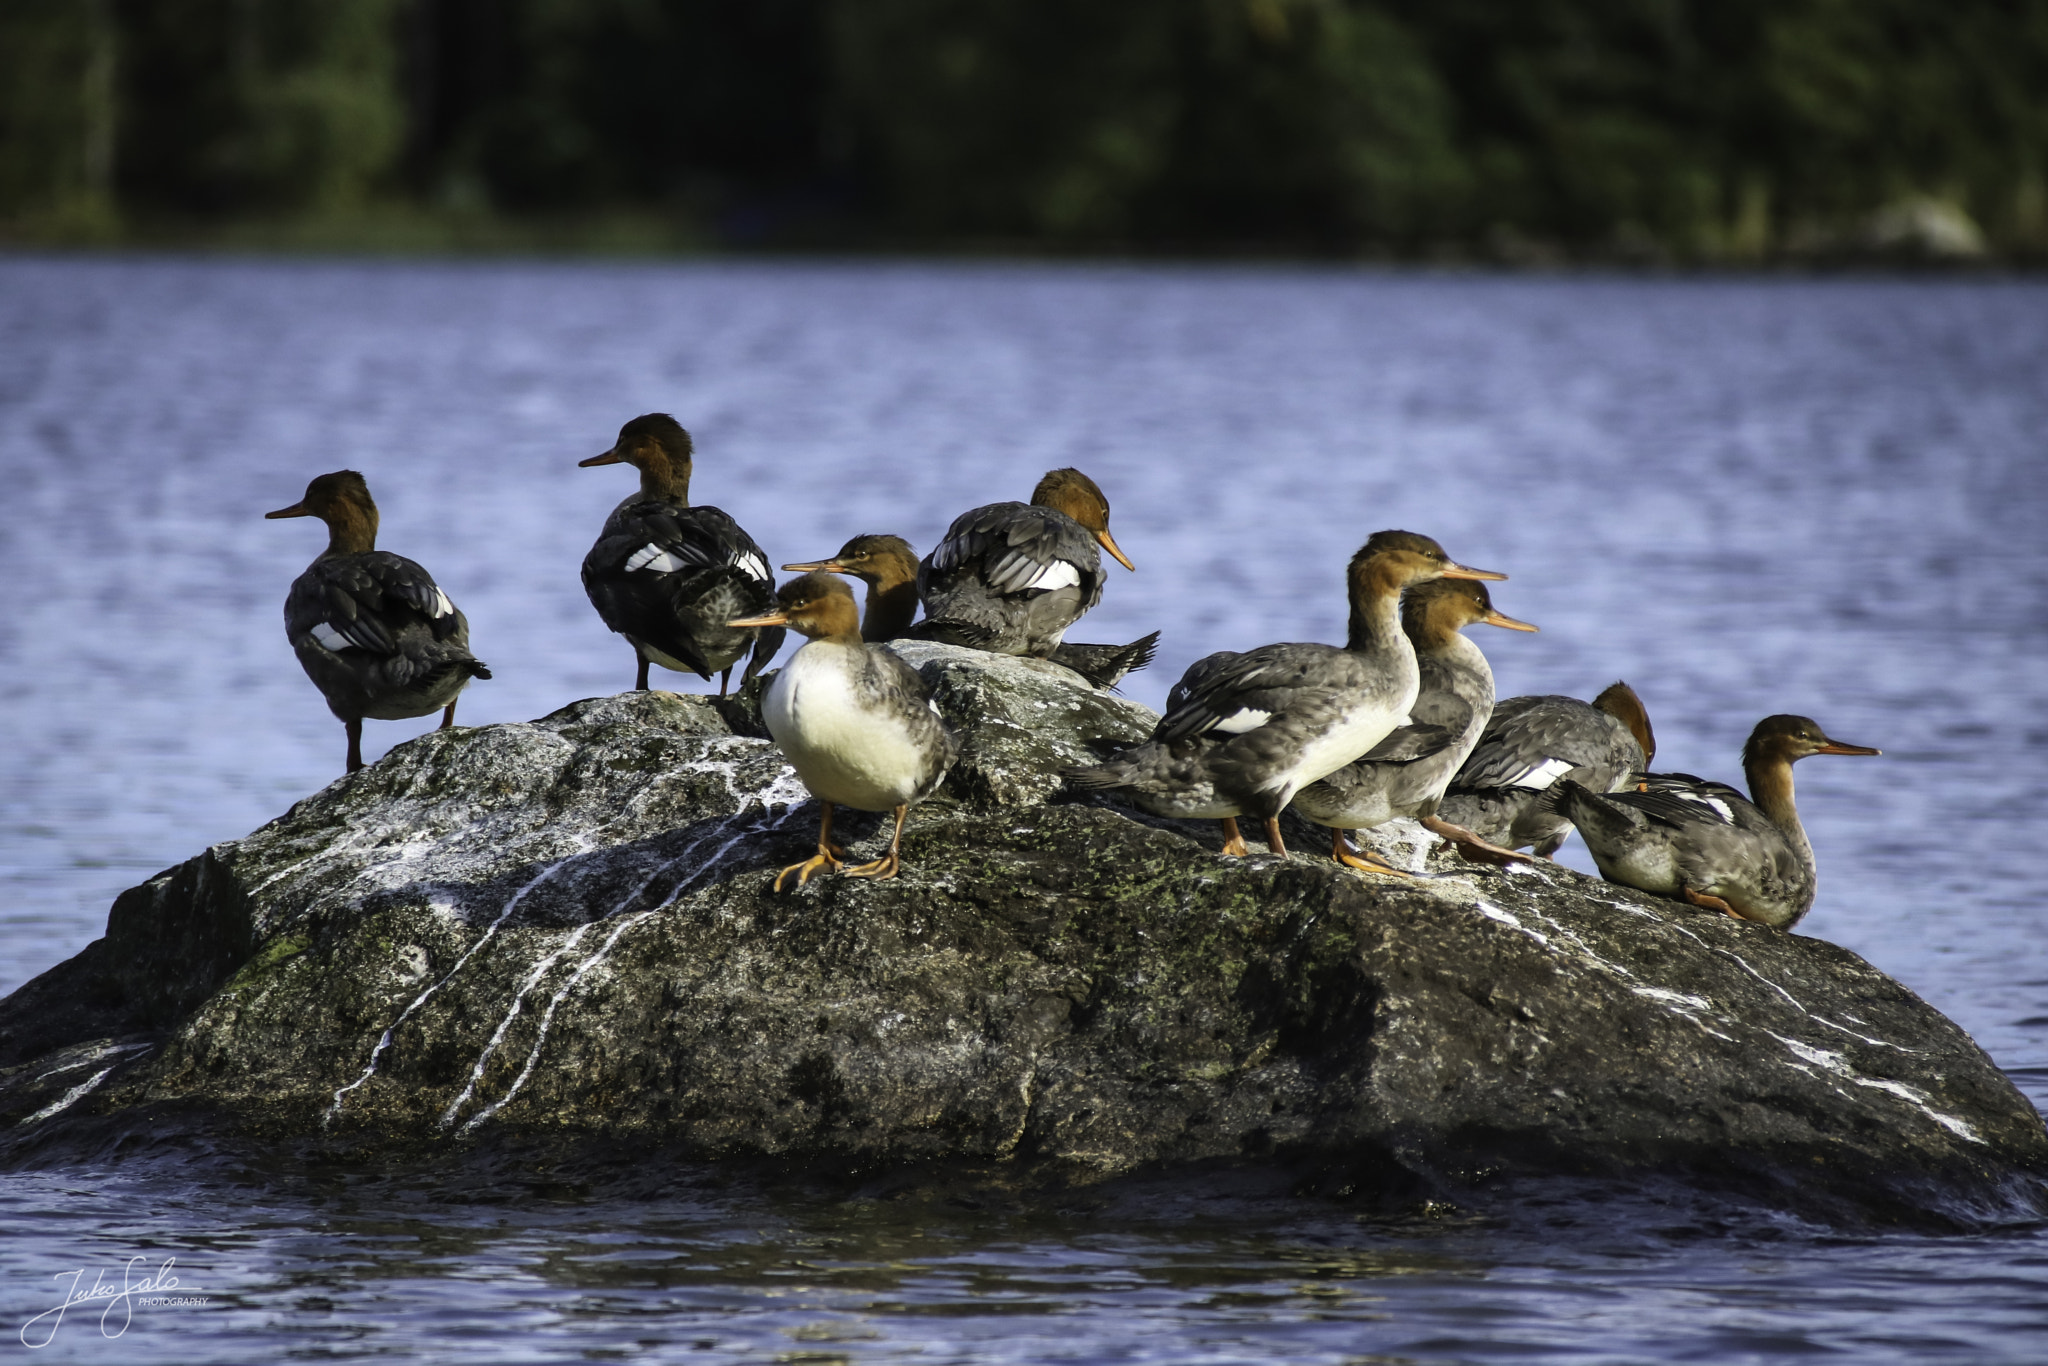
x: 669, y: 577
x: 1405, y: 774
x: 1243, y: 733
x: 857, y: 723
x: 1675, y: 835
x: 888, y: 566
x: 372, y: 630
x: 1010, y: 578
x: 1530, y: 744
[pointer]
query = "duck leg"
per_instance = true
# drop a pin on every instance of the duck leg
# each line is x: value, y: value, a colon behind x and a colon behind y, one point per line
x: 724, y: 679
x: 827, y: 856
x: 1472, y: 847
x: 448, y: 717
x: 640, y: 683
x: 888, y: 864
x: 1273, y: 840
x: 1233, y: 842
x: 355, y: 743
x: 1364, y: 862
x: 1710, y: 903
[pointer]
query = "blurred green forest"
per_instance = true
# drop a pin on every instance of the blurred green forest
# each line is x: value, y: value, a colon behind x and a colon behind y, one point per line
x: 1684, y: 131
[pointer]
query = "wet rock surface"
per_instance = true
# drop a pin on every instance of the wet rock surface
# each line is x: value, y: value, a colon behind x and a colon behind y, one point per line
x: 564, y: 930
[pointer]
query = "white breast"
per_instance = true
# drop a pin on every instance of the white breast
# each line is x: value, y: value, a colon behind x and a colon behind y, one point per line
x: 845, y: 753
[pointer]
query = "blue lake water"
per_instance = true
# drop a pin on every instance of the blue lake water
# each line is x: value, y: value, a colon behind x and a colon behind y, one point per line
x: 1744, y: 497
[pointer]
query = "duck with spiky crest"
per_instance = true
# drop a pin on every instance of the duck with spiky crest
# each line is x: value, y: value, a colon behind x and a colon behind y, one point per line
x: 1406, y: 773
x: 1675, y: 835
x: 669, y: 577
x: 1533, y: 742
x: 857, y: 723
x: 1243, y: 733
x: 374, y: 632
x: 888, y: 566
x: 1010, y: 578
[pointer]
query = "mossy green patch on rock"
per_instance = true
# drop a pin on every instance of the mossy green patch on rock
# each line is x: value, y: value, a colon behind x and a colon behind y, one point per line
x: 566, y: 927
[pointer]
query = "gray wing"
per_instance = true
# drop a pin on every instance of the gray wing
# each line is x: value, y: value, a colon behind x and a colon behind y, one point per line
x: 1018, y: 548
x: 1238, y: 693
x: 1531, y: 742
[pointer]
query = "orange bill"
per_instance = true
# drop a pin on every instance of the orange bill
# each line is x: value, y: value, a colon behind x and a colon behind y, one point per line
x: 1502, y: 619
x: 1109, y: 543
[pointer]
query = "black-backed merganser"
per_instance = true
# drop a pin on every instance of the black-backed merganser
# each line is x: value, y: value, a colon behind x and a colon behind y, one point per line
x: 1676, y: 835
x: 888, y: 566
x: 1530, y: 743
x: 668, y: 576
x: 857, y: 723
x: 1405, y: 774
x: 372, y: 629
x: 1010, y: 578
x: 1244, y: 732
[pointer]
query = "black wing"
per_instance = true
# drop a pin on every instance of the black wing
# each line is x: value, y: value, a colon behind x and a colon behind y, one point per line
x: 1531, y: 742
x: 365, y: 601
x: 657, y: 538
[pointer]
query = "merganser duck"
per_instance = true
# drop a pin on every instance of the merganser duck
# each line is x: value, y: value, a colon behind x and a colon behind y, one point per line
x: 372, y: 629
x: 668, y: 576
x: 1530, y: 743
x: 1010, y: 578
x: 888, y: 566
x: 1243, y: 733
x: 1406, y: 774
x: 1676, y: 835
x: 857, y: 723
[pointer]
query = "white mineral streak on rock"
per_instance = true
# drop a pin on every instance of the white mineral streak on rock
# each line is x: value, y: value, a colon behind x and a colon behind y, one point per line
x: 540, y: 970
x: 111, y: 1050
x: 1838, y: 1065
x: 511, y: 905
x: 1790, y: 999
x: 1692, y: 1008
x: 69, y: 1098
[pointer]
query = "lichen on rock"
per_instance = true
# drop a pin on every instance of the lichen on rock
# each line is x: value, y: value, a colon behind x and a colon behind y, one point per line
x: 565, y: 928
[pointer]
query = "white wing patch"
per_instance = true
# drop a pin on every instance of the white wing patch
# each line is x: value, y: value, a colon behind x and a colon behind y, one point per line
x: 1701, y: 799
x: 1539, y: 778
x: 753, y: 566
x: 329, y: 637
x: 1058, y: 574
x: 1242, y: 720
x: 442, y: 607
x: 653, y: 557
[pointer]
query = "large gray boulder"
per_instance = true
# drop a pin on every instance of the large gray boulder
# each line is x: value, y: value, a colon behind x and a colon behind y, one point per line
x: 565, y: 928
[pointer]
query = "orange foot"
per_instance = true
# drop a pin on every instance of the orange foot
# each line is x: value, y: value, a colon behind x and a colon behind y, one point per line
x: 827, y: 857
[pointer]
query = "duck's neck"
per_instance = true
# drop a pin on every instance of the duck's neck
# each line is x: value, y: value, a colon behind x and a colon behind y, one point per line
x: 1770, y: 787
x: 663, y: 480
x: 1375, y: 611
x: 891, y: 603
x: 351, y: 529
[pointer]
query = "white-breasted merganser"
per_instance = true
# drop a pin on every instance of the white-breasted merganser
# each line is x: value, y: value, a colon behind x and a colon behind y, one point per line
x: 857, y: 723
x: 1010, y: 578
x: 888, y: 566
x: 1405, y: 774
x: 372, y: 629
x: 1244, y: 732
x: 668, y: 576
x: 1530, y: 743
x: 1679, y: 836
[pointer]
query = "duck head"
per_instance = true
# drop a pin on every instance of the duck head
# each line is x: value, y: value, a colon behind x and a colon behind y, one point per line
x: 1075, y: 494
x: 342, y: 500
x: 1788, y: 739
x: 1393, y: 560
x: 1619, y: 701
x: 657, y: 446
x: 877, y: 561
x: 1433, y: 612
x: 817, y: 605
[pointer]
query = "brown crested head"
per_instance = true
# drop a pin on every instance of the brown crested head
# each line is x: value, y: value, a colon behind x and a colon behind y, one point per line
x: 817, y: 605
x: 342, y: 500
x: 1619, y: 701
x: 873, y: 559
x: 656, y: 445
x: 1396, y: 559
x: 1433, y: 612
x: 1788, y: 739
x: 1071, y: 492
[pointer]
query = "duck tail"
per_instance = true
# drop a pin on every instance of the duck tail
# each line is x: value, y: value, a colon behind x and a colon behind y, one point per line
x: 1106, y: 665
x: 477, y: 668
x: 1097, y: 777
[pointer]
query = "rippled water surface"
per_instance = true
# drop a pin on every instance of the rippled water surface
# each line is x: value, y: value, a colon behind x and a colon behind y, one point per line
x: 1745, y: 497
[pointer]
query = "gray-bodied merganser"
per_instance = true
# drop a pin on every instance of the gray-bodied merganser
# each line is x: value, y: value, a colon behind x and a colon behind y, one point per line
x: 1243, y: 733
x: 372, y: 630
x: 857, y: 723
x: 1010, y: 578
x: 1676, y: 835
x: 1530, y: 744
x: 888, y: 566
x: 668, y: 576
x: 1405, y: 774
